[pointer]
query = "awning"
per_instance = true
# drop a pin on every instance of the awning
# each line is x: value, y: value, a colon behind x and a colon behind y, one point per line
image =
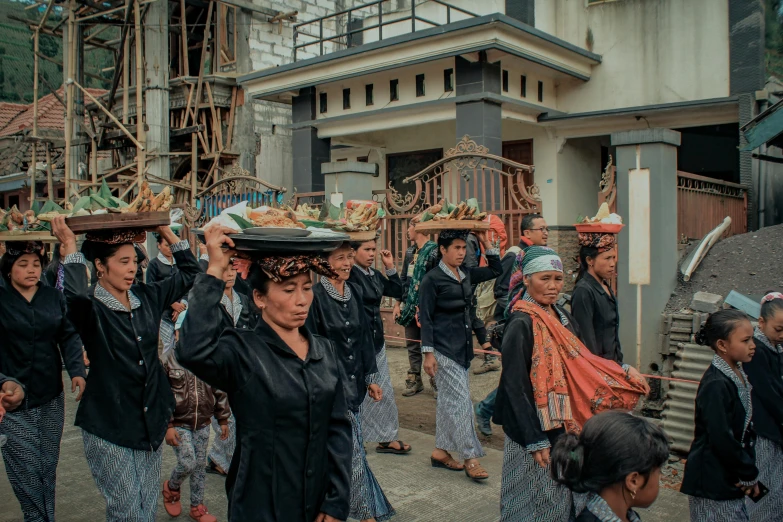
x: 13, y: 182
x: 765, y: 129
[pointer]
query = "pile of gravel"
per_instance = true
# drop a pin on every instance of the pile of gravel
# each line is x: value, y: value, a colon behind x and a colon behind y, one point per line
x: 751, y: 264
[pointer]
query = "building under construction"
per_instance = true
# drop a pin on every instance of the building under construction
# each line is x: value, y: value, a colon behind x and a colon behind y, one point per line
x: 170, y: 113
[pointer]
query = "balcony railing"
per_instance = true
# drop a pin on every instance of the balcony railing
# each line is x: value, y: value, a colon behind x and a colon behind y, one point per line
x: 314, y: 29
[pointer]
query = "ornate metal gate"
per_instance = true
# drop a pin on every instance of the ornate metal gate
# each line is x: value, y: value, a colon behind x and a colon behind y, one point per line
x: 466, y: 170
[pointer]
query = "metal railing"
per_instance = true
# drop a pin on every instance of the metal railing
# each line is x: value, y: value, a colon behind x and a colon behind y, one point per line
x: 703, y: 203
x: 319, y: 39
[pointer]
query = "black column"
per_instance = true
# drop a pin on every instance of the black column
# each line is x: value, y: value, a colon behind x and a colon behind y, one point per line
x: 308, y: 149
x: 481, y: 119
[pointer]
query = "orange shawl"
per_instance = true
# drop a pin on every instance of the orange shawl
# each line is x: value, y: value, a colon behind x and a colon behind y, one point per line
x: 571, y: 384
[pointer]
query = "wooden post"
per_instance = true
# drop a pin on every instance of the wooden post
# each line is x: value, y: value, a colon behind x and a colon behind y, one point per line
x: 34, y: 148
x: 94, y: 160
x: 49, y: 173
x: 139, y: 88
x: 125, y: 77
x: 183, y: 24
x: 69, y: 98
x: 193, y: 168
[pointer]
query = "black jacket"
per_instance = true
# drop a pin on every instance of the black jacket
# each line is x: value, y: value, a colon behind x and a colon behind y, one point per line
x: 717, y: 459
x: 128, y: 400
x: 444, y: 310
x: 159, y: 271
x: 587, y: 516
x: 374, y: 289
x: 347, y: 326
x: 765, y: 373
x: 515, y: 407
x: 599, y: 320
x: 407, y: 268
x: 241, y: 286
x: 293, y: 454
x: 4, y: 378
x: 31, y: 332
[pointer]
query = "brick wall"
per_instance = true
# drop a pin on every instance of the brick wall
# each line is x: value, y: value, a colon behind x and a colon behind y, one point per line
x: 566, y: 244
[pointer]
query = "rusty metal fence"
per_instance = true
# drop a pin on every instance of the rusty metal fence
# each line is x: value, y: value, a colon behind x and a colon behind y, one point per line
x: 703, y: 203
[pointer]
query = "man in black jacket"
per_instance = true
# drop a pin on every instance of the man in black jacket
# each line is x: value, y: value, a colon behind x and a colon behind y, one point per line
x: 533, y: 231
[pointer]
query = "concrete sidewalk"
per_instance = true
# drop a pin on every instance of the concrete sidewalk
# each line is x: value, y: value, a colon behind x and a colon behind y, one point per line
x: 418, y: 492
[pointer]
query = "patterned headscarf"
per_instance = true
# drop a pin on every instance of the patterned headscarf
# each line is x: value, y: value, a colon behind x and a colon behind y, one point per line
x: 530, y: 260
x: 19, y: 248
x: 454, y: 234
x: 603, y: 242
x: 771, y: 297
x: 278, y: 268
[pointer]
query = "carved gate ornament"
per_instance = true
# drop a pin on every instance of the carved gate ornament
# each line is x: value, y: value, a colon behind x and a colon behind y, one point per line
x: 468, y: 162
x: 608, y: 186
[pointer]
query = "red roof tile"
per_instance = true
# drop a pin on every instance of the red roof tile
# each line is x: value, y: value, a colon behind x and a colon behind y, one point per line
x: 51, y: 114
x: 9, y: 111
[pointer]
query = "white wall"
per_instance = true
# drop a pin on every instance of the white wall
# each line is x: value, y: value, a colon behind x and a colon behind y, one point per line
x: 654, y: 51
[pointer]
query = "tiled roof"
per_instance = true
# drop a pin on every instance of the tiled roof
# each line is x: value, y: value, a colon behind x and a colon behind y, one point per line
x: 9, y: 111
x: 51, y: 114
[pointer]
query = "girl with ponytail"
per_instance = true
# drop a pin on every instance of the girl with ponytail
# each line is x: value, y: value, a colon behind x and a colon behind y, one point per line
x: 721, y: 469
x: 616, y: 460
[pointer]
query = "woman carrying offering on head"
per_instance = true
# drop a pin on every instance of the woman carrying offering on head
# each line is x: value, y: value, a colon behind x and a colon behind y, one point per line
x: 338, y: 312
x: 765, y: 374
x: 37, y: 338
x: 551, y: 384
x: 126, y: 409
x: 721, y: 468
x: 292, y: 462
x: 593, y: 303
x: 445, y: 298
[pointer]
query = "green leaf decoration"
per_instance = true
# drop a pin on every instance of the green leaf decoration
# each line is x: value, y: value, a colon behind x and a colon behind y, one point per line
x: 82, y: 204
x: 98, y: 202
x: 242, y: 222
x: 50, y: 206
x: 473, y: 203
x: 118, y: 202
x: 105, y: 194
x: 426, y: 217
x: 312, y: 223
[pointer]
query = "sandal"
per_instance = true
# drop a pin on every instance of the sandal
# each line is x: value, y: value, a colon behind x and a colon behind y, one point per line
x: 385, y: 447
x: 213, y: 469
x: 447, y: 463
x: 476, y: 472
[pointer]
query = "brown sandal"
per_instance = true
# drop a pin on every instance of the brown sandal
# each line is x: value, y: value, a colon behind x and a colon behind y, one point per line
x: 476, y: 472
x: 447, y: 463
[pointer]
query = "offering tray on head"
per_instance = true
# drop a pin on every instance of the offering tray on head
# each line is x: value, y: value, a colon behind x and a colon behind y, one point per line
x: 599, y: 228
x: 449, y: 224
x: 118, y: 221
x: 318, y: 240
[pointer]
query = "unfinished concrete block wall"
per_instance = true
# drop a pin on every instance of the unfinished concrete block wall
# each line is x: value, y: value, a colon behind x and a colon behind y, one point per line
x: 266, y: 147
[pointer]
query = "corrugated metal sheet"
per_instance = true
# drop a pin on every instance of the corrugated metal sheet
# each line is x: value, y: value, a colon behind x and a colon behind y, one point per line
x: 691, y: 361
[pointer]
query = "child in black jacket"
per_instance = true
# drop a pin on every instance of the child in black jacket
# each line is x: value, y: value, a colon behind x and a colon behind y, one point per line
x: 721, y: 468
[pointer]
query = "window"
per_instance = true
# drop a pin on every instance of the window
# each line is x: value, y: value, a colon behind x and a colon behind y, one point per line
x: 13, y: 201
x: 227, y: 33
x: 346, y: 99
x: 448, y: 80
x: 523, y: 90
x: 368, y: 95
x: 322, y: 102
x: 343, y: 159
x: 540, y: 91
x: 363, y: 159
x: 419, y: 85
x: 394, y: 90
x: 505, y: 81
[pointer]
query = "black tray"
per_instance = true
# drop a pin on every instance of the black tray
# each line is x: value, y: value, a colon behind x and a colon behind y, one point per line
x: 283, y: 245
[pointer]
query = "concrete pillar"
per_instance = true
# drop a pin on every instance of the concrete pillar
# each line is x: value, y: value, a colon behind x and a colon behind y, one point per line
x: 353, y: 179
x: 658, y: 152
x: 156, y: 74
x: 309, y: 150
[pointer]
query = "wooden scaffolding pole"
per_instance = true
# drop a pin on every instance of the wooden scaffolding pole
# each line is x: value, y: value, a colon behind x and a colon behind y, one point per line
x: 193, y: 168
x: 69, y: 60
x: 139, y: 39
x: 125, y: 75
x: 34, y: 148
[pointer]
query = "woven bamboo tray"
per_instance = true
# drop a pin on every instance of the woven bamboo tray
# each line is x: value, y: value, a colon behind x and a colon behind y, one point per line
x: 118, y: 221
x: 367, y: 235
x: 451, y: 224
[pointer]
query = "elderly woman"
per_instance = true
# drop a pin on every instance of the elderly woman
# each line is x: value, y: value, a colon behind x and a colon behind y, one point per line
x: 550, y: 384
x: 445, y: 298
x: 127, y: 407
x: 293, y: 456
x: 37, y: 338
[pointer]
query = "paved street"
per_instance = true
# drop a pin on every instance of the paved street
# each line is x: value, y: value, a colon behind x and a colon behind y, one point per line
x: 418, y: 492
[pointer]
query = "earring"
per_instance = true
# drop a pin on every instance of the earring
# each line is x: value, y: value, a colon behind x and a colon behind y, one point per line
x: 633, y: 495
